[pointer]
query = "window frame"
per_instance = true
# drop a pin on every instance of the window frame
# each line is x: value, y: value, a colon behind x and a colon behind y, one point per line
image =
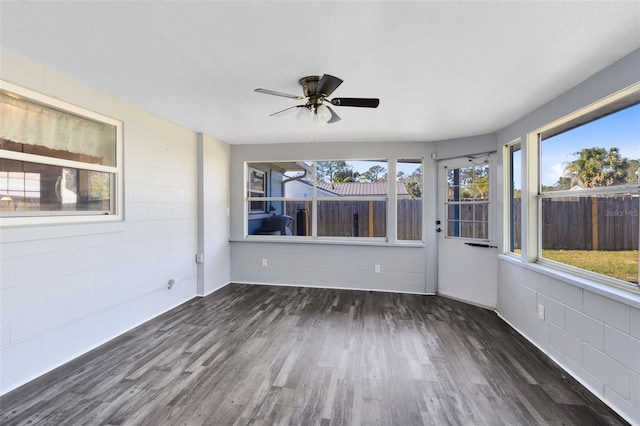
x: 390, y: 199
x: 606, y: 106
x: 461, y: 163
x: 394, y: 210
x: 509, y: 188
x: 116, y: 212
x: 250, y: 198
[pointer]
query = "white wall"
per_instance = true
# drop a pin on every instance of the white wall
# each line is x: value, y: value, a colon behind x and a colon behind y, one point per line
x: 214, y: 220
x: 591, y: 330
x: 410, y: 269
x: 68, y: 288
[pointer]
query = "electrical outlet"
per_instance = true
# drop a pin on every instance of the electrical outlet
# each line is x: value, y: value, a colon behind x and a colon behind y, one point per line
x: 376, y: 268
x: 264, y: 262
x: 541, y: 312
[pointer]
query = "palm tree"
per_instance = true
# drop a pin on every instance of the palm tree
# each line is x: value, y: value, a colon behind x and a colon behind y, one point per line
x: 596, y: 167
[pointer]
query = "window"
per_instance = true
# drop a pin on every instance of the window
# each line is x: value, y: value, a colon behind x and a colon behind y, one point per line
x: 57, y: 161
x: 279, y: 198
x: 514, y: 194
x: 409, y: 199
x: 467, y: 202
x: 256, y: 188
x: 345, y: 199
x: 352, y: 201
x: 589, y: 190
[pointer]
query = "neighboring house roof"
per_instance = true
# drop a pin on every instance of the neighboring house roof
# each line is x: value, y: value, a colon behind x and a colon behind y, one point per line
x: 354, y: 189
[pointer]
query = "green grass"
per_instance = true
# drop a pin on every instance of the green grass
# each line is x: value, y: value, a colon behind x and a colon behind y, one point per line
x: 622, y: 265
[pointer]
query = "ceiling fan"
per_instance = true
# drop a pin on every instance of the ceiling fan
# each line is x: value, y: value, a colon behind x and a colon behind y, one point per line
x: 316, y: 89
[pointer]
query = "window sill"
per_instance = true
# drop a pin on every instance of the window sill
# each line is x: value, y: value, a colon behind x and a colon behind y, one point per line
x: 41, y: 230
x: 326, y: 241
x: 628, y: 297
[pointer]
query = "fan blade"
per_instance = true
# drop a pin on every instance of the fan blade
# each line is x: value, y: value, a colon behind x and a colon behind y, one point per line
x: 356, y: 102
x: 273, y: 92
x: 285, y: 110
x: 328, y: 84
x: 334, y: 117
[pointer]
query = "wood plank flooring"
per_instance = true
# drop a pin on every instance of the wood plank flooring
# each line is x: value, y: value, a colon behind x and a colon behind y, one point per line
x: 260, y: 355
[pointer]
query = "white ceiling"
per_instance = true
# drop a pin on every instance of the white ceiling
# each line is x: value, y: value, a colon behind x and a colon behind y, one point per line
x: 441, y: 69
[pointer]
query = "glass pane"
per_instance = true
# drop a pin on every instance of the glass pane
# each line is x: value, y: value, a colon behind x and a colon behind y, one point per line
x: 352, y: 218
x: 453, y: 228
x: 256, y: 180
x: 409, y: 202
x: 468, y: 202
x: 466, y: 229
x: 453, y: 220
x: 256, y: 206
x: 481, y: 212
x: 281, y: 178
x: 351, y: 178
x: 481, y: 230
x: 467, y: 192
x: 603, y: 152
x: 29, y: 127
x: 466, y: 212
x: 27, y: 187
x: 287, y: 218
x: 596, y: 233
x: 515, y: 196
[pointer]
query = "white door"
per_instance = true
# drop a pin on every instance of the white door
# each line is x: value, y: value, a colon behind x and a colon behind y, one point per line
x: 467, y: 256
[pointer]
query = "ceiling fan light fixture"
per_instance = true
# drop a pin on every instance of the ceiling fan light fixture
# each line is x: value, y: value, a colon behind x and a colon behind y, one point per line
x: 304, y: 116
x: 322, y: 114
x: 316, y: 89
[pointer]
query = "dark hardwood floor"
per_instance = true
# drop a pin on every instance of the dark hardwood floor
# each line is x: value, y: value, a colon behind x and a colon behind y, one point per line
x: 281, y: 355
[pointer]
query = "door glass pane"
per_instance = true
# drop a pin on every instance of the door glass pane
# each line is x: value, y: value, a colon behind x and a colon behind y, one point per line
x: 467, y: 206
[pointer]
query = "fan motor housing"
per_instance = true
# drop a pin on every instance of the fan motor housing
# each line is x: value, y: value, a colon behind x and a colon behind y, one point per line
x: 310, y: 85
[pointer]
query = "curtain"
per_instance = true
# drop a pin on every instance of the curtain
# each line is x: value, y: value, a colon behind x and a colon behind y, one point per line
x: 30, y: 123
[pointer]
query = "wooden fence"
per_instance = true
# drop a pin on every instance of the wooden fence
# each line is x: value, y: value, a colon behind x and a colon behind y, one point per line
x: 576, y: 223
x: 587, y: 223
x: 360, y: 218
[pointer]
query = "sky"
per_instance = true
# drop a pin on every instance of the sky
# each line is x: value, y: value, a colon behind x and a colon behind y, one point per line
x: 363, y: 166
x: 620, y: 130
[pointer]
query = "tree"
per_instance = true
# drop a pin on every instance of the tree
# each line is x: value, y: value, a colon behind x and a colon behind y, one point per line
x: 414, y: 189
x: 375, y: 173
x: 633, y: 172
x: 473, y: 181
x: 562, y: 184
x: 334, y: 171
x: 412, y: 182
x: 596, y: 167
x: 481, y: 186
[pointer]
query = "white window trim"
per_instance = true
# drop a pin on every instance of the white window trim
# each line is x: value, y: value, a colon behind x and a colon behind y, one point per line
x: 461, y: 163
x: 249, y: 198
x: 507, y: 213
x: 69, y: 217
x: 390, y: 199
x: 533, y: 246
